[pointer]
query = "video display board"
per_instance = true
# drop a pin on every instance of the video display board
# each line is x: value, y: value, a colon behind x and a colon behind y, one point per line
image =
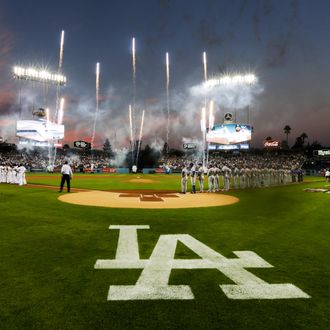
x: 239, y: 146
x: 229, y: 134
x: 39, y: 130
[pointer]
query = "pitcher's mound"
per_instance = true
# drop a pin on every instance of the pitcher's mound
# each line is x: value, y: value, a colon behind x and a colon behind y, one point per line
x: 150, y: 200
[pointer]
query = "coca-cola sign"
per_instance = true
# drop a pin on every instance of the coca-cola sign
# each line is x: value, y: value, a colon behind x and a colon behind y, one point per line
x: 271, y: 144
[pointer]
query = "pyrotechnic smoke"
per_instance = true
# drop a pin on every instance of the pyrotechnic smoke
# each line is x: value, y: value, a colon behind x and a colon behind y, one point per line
x: 203, y: 120
x: 211, y: 124
x: 47, y: 115
x: 197, y: 142
x: 120, y: 157
x: 168, y: 98
x: 157, y: 144
x: 231, y: 96
x: 97, y: 87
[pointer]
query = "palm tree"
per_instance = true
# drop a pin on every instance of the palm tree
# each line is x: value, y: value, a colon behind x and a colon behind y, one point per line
x: 287, y: 130
x: 304, y: 136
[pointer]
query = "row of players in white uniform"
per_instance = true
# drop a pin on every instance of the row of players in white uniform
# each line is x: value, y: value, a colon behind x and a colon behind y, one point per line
x: 239, y: 178
x: 12, y: 174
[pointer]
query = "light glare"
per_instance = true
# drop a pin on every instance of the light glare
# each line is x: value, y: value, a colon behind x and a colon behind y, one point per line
x: 38, y: 75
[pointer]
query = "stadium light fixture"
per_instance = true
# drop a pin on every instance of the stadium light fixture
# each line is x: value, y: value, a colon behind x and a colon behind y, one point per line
x: 237, y: 79
x: 38, y: 75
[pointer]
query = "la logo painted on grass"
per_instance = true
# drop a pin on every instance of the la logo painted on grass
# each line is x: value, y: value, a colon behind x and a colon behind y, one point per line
x: 153, y: 282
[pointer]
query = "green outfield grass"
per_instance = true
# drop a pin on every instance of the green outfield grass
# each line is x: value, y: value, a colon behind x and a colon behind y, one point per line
x: 48, y: 250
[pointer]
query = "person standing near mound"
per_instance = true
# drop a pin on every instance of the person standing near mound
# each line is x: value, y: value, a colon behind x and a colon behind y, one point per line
x: 66, y: 176
x: 184, y: 179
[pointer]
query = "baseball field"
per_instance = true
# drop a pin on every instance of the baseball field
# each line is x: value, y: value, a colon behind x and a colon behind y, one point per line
x: 128, y: 251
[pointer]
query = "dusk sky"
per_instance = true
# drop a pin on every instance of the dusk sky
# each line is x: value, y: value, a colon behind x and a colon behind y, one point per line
x: 285, y: 43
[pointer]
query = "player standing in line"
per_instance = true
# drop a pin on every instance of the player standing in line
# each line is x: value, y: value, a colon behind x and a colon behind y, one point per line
x: 226, y: 174
x: 210, y: 178
x: 184, y: 179
x: 242, y: 178
x: 1, y: 173
x: 200, y: 176
x: 193, y: 175
x: 21, y: 175
x: 236, y: 177
x: 217, y: 174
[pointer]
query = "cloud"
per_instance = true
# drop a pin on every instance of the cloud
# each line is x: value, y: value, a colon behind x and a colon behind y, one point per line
x: 6, y: 44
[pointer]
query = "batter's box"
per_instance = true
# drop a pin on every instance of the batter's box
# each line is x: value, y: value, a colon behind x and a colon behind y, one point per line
x: 129, y: 195
x: 150, y: 198
x: 167, y: 195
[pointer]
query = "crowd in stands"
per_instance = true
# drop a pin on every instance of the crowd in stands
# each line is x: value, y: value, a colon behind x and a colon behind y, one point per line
x: 83, y: 162
x: 40, y: 161
x: 239, y: 170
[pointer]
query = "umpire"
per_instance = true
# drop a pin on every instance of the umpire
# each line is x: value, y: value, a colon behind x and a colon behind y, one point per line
x: 66, y: 176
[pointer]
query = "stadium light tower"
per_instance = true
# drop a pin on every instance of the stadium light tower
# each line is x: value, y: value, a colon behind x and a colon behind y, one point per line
x: 231, y: 80
x: 39, y: 75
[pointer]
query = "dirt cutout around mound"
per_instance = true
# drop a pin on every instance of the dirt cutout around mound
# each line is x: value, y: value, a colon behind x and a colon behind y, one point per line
x: 147, y: 200
x: 142, y: 181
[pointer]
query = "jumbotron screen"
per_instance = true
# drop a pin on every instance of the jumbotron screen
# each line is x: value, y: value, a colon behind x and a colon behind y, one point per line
x: 39, y: 130
x: 229, y: 134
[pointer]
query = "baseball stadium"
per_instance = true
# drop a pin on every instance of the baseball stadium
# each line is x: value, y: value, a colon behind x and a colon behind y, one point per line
x: 156, y: 178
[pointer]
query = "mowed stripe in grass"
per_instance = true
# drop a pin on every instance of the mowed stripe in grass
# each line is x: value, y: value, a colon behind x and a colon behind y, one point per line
x: 48, y: 250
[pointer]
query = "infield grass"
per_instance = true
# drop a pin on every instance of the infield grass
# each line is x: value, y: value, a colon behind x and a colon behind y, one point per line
x: 48, y: 250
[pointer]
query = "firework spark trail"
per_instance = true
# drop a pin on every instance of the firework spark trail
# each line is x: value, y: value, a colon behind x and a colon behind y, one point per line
x: 58, y: 91
x: 59, y: 70
x: 203, y: 129
x: 61, y: 112
x: 211, y: 124
x: 133, y: 86
x: 130, y: 123
x: 211, y: 115
x: 168, y: 99
x: 205, y: 66
x: 97, y: 88
x: 133, y: 58
x: 47, y: 115
x: 203, y: 120
x: 131, y: 131
x: 205, y: 102
x: 61, y: 50
x: 49, y: 146
x: 140, y: 138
